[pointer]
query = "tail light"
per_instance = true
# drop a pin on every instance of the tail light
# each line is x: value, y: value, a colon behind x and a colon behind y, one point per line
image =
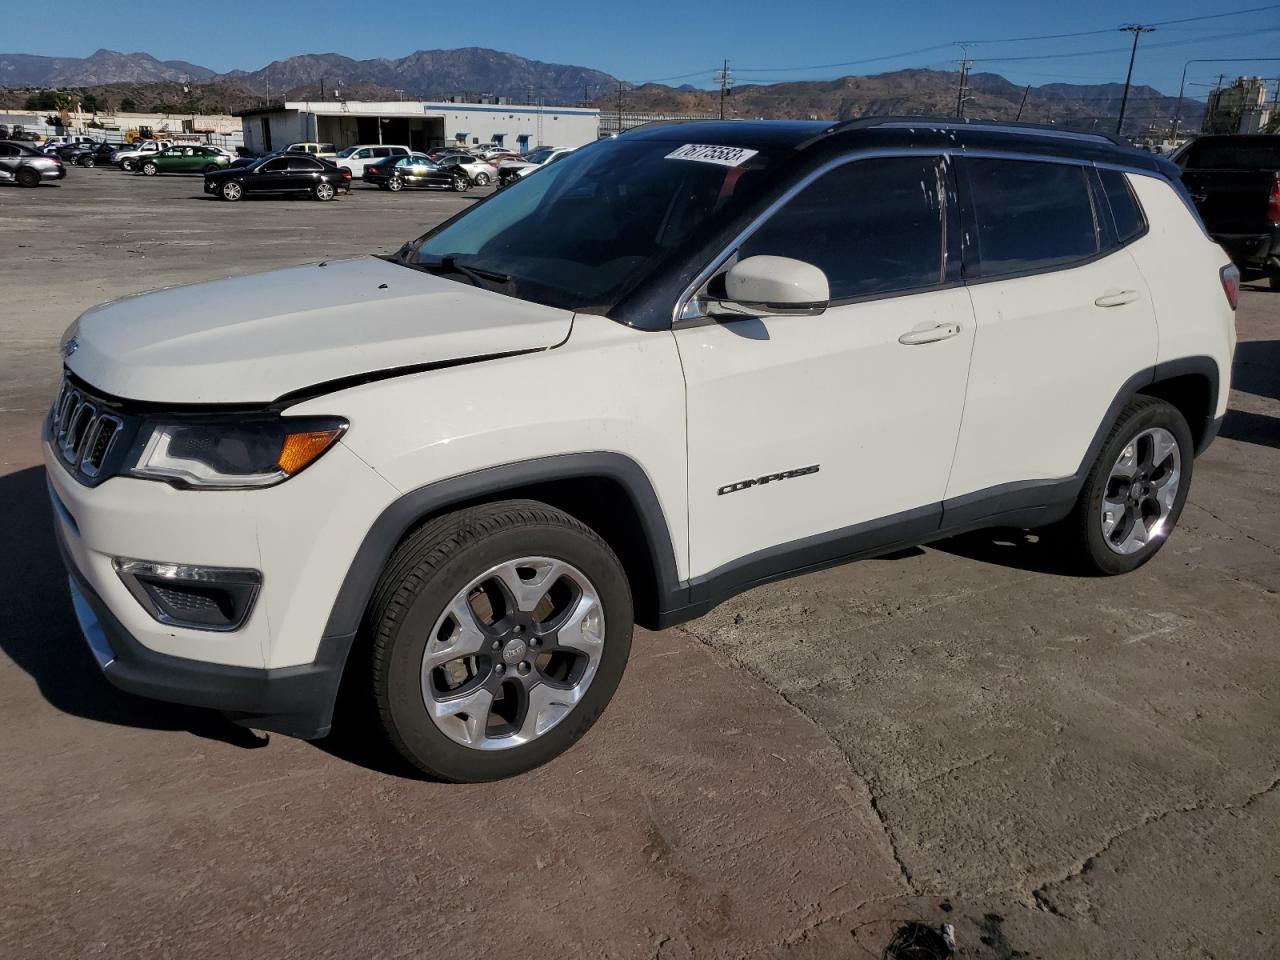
x: 1231, y: 284
x: 346, y: 174
x: 1273, y: 203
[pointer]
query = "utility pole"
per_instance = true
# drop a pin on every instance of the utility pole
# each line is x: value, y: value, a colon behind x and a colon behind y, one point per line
x: 322, y: 89
x: 1213, y: 104
x: 964, y: 86
x: 723, y: 76
x: 619, y: 106
x: 1137, y: 30
x: 1023, y: 103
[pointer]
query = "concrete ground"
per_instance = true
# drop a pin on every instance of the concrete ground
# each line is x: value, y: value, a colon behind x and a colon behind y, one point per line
x: 965, y: 734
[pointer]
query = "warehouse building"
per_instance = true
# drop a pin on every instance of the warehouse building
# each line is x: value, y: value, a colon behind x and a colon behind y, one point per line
x: 418, y: 124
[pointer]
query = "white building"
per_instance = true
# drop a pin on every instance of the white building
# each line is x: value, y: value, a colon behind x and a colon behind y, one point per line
x: 418, y: 124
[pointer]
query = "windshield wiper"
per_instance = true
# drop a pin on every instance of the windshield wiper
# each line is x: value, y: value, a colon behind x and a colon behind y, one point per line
x: 449, y: 264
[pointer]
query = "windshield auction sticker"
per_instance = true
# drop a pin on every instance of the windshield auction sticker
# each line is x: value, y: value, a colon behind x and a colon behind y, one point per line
x: 706, y: 153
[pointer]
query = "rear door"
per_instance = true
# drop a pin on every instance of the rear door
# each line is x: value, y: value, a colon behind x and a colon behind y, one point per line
x: 801, y: 427
x: 1064, y: 319
x: 304, y: 172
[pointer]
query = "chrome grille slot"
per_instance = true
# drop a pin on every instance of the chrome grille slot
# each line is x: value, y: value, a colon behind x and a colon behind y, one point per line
x: 98, y: 445
x: 78, y: 424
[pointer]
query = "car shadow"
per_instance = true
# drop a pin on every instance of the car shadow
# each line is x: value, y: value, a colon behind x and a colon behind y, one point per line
x: 40, y: 634
x: 1256, y: 368
x: 1019, y: 549
x: 1251, y: 428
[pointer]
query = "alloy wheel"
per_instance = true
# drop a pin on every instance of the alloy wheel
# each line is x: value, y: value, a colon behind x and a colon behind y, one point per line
x: 1141, y: 491
x: 513, y: 653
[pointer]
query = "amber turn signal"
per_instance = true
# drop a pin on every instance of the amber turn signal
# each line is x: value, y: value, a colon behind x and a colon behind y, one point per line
x: 301, y: 448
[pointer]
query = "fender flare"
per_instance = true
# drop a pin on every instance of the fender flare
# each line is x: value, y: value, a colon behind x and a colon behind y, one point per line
x: 410, y: 509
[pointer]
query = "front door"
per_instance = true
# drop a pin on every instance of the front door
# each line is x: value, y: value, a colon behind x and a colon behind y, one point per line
x: 800, y: 428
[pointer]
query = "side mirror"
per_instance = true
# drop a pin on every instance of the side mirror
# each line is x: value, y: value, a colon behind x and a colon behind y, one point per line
x: 773, y: 286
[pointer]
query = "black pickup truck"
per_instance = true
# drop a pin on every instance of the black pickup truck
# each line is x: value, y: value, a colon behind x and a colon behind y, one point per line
x: 1235, y: 184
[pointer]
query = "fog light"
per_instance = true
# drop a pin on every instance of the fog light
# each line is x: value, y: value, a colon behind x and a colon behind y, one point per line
x: 196, y: 597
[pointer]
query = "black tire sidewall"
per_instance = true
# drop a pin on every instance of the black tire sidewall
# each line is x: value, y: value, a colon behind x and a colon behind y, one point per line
x: 27, y: 177
x: 405, y: 712
x: 1143, y: 415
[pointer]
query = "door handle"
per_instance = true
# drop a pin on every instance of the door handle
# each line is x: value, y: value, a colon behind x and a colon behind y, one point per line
x: 1116, y: 298
x: 943, y: 331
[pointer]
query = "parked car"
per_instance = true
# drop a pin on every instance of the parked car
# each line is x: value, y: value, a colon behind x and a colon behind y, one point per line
x: 326, y: 150
x: 128, y: 157
x: 28, y: 167
x: 182, y: 159
x: 357, y: 158
x: 1234, y: 182
x: 509, y: 170
x: 756, y: 348
x: 478, y: 172
x: 70, y: 153
x: 280, y: 174
x: 415, y: 170
x: 90, y: 156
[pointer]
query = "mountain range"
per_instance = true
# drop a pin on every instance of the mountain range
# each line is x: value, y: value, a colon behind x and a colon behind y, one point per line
x: 149, y: 83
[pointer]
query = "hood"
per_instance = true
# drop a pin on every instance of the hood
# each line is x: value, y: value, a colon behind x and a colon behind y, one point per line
x: 254, y: 339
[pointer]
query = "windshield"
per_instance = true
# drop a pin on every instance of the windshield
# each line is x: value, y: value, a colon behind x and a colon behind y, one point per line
x: 538, y: 156
x: 346, y: 151
x: 585, y: 232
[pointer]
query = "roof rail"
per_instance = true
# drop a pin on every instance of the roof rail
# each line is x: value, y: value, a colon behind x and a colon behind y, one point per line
x: 666, y: 123
x: 993, y: 126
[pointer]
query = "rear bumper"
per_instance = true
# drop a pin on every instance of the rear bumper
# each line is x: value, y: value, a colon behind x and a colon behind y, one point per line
x: 297, y: 701
x: 1250, y: 251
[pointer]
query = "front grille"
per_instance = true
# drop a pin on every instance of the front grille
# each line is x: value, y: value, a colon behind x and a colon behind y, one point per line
x: 84, y: 431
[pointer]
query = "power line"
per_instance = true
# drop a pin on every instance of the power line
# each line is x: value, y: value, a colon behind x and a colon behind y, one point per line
x: 1158, y: 23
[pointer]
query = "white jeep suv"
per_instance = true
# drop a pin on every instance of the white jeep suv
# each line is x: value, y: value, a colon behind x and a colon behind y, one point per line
x: 678, y: 364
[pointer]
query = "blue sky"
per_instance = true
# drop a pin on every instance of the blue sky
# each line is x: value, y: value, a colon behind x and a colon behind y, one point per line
x: 764, y: 40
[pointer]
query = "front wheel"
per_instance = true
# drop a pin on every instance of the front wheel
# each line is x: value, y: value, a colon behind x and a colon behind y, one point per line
x: 499, y: 634
x: 395, y: 184
x: 323, y: 191
x: 88, y: 161
x: 231, y: 191
x: 150, y: 169
x: 126, y: 165
x: 1135, y: 491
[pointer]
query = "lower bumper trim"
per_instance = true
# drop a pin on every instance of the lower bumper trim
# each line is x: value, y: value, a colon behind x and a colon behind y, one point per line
x: 296, y: 701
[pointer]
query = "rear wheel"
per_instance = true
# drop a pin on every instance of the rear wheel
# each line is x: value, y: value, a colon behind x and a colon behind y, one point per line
x: 1136, y: 490
x: 482, y: 179
x: 499, y: 634
x: 323, y: 191
x: 1273, y: 277
x: 88, y: 160
x: 231, y: 191
x: 150, y: 169
x: 395, y: 184
x: 27, y: 177
x: 211, y: 167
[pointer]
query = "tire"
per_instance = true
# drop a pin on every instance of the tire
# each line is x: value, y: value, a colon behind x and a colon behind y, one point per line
x: 418, y: 599
x: 460, y: 184
x: 211, y: 168
x: 149, y: 169
x: 1106, y: 542
x: 1273, y: 278
x: 395, y: 184
x: 231, y: 191
x: 88, y: 161
x: 27, y: 177
x: 126, y: 164
x: 323, y: 191
x: 482, y: 179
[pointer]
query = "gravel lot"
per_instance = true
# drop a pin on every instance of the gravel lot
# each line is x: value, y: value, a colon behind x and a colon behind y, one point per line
x: 1060, y: 767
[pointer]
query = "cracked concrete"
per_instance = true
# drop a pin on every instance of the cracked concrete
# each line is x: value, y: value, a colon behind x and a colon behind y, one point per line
x: 1058, y: 767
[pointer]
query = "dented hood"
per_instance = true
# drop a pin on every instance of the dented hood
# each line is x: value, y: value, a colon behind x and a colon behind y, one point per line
x: 255, y: 339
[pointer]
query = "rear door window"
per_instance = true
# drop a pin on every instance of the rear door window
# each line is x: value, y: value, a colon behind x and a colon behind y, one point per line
x: 1125, y: 212
x: 382, y: 151
x: 1028, y: 215
x: 874, y: 227
x: 303, y: 163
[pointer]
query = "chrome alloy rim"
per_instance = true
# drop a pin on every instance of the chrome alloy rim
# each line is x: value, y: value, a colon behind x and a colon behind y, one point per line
x: 513, y: 653
x: 324, y: 191
x: 1141, y: 491
x: 232, y: 190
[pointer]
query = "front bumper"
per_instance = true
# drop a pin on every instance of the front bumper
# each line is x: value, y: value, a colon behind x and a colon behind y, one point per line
x: 297, y: 701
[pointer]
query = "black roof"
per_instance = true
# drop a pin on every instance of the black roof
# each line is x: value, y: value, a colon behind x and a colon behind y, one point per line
x: 907, y: 133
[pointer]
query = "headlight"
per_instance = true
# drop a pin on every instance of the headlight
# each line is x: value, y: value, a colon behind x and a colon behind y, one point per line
x: 229, y: 454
